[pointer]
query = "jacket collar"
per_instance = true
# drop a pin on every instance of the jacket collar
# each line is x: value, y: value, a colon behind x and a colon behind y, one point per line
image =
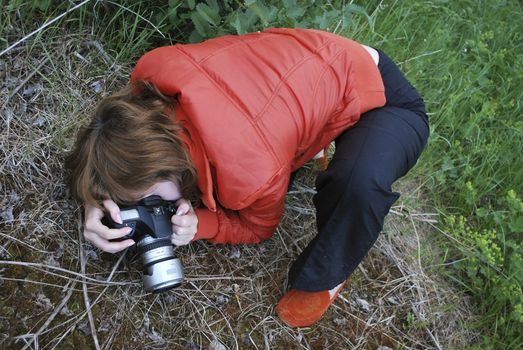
x: 193, y: 144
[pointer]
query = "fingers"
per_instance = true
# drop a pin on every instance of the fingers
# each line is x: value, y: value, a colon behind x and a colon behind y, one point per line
x: 185, y: 216
x: 179, y: 241
x: 113, y: 210
x: 99, y: 234
x: 184, y: 222
x: 184, y: 206
x: 110, y: 247
x: 98, y: 229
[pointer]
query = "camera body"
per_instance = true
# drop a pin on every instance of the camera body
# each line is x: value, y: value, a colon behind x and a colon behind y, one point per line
x: 150, y: 221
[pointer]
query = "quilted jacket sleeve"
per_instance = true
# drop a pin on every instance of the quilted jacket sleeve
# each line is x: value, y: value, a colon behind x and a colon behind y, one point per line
x: 249, y: 225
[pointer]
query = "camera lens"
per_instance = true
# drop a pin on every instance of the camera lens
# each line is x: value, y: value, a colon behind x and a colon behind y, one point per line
x: 162, y: 270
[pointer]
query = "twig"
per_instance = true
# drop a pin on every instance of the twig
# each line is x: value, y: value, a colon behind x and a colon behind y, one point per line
x: 43, y: 266
x: 105, y: 56
x: 55, y: 312
x: 80, y: 317
x: 84, y: 285
x: 25, y: 280
x: 418, y: 243
x: 217, y: 278
x: 22, y: 243
x: 221, y: 312
x: 34, y: 340
x: 434, y: 340
x: 43, y: 27
x: 27, y: 79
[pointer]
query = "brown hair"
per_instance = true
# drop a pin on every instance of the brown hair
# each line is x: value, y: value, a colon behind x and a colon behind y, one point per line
x: 129, y: 145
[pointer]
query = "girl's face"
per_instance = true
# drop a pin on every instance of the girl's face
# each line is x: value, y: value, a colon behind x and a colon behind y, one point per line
x: 168, y: 190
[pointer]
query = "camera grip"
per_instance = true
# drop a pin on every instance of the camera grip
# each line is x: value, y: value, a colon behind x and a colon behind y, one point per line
x: 109, y: 222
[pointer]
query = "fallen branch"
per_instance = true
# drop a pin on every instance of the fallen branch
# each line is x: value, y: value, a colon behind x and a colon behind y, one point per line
x: 434, y: 340
x: 52, y: 316
x: 84, y: 286
x: 43, y: 27
x: 27, y: 79
x: 91, y: 305
x: 45, y: 267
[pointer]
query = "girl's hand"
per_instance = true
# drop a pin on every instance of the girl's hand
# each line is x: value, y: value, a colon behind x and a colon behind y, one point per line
x: 184, y: 223
x: 99, y: 234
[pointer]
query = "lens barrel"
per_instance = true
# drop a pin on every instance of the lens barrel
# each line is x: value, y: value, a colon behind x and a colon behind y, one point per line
x: 162, y: 270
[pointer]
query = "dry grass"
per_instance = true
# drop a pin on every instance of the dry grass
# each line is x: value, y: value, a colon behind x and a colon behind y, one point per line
x: 59, y: 292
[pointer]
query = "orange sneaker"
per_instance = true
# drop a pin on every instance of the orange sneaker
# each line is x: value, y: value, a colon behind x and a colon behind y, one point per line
x: 321, y: 159
x: 301, y: 309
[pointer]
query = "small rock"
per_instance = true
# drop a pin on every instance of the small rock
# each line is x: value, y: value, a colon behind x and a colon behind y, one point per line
x: 392, y: 300
x: 154, y: 336
x: 221, y: 300
x: 66, y: 312
x: 84, y: 327
x: 6, y: 214
x: 59, y: 251
x: 44, y: 302
x: 91, y: 254
x: 235, y: 253
x: 363, y: 304
x: 31, y: 89
x: 169, y: 298
x: 51, y: 261
x: 39, y: 121
x: 340, y: 321
x: 96, y: 86
x: 216, y: 345
x: 383, y: 347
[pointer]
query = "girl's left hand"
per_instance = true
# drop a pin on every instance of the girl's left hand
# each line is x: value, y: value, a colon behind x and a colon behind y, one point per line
x: 185, y: 223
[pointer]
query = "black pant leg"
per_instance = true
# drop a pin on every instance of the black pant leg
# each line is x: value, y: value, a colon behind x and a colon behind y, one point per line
x: 399, y: 92
x: 354, y: 194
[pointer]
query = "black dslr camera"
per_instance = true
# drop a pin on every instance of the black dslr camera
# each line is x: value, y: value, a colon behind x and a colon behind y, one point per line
x: 150, y: 220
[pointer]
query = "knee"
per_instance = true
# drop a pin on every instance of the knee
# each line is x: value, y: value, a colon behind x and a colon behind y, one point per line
x: 364, y: 188
x: 370, y: 192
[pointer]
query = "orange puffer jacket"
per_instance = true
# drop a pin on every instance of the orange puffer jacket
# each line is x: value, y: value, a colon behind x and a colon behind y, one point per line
x: 255, y: 108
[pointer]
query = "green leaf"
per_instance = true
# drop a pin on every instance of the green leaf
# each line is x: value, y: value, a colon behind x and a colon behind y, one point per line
x: 14, y: 4
x: 210, y: 15
x: 172, y: 13
x: 353, y: 8
x: 238, y: 24
x: 213, y: 4
x: 195, y: 37
x: 516, y: 224
x: 293, y: 10
x: 272, y: 15
x: 200, y: 24
x: 260, y: 9
x: 191, y: 4
x: 42, y: 5
x: 326, y: 19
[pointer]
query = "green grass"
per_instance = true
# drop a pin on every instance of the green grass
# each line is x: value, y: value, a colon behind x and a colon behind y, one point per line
x: 466, y: 58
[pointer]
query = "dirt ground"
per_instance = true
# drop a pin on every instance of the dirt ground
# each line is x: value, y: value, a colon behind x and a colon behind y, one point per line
x: 59, y: 292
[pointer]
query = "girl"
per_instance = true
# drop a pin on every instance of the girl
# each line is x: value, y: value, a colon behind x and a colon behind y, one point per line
x: 224, y: 124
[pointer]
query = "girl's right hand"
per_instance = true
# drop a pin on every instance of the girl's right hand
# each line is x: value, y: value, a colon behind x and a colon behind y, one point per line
x: 99, y: 234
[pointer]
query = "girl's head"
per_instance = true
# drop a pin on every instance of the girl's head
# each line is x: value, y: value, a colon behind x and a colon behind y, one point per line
x: 129, y: 145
